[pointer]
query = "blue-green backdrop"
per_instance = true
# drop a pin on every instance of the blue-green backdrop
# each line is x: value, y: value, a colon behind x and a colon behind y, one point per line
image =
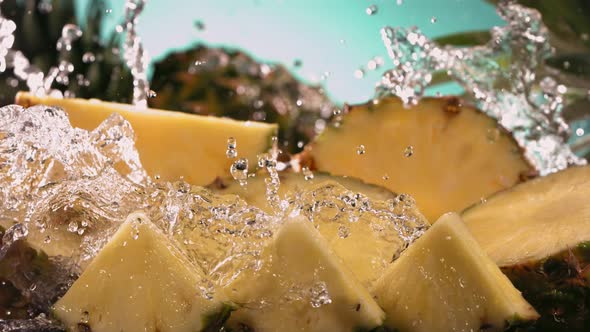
x: 333, y: 36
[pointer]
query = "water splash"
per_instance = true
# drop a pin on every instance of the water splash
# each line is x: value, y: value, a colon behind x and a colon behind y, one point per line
x: 135, y: 56
x: 504, y: 77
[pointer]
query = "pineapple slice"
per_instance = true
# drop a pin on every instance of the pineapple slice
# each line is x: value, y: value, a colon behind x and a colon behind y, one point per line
x: 171, y: 144
x: 438, y: 148
x: 302, y: 286
x: 445, y: 282
x: 138, y: 282
x: 539, y: 233
x: 369, y: 244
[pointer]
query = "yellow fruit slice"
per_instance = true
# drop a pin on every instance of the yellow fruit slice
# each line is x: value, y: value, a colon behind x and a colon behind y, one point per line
x: 445, y: 282
x: 171, y: 144
x: 535, y: 219
x: 138, y: 282
x: 366, y: 245
x: 447, y: 156
x: 302, y: 286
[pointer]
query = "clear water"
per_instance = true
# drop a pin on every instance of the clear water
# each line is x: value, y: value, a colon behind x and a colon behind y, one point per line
x: 66, y: 190
x: 504, y: 78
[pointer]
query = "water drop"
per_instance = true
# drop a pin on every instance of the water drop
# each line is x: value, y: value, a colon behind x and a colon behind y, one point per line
x: 343, y: 232
x: 433, y: 19
x: 319, y: 295
x: 231, y: 151
x: 371, y: 10
x: 239, y: 171
x: 199, y: 25
x: 307, y: 173
x: 409, y: 151
x: 297, y: 63
x: 73, y: 227
x: 385, y: 177
x: 580, y: 132
x: 359, y: 73
x: 360, y: 150
x: 152, y: 94
x: 47, y: 239
x: 300, y: 144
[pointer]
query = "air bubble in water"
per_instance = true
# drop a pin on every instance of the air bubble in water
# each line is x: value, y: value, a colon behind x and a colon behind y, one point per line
x: 360, y: 150
x: 239, y: 170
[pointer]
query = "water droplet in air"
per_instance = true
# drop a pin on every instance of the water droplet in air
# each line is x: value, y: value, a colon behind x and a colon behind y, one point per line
x: 152, y: 94
x: 400, y: 2
x: 409, y: 151
x: 300, y: 144
x: 433, y: 19
x: 580, y: 132
x: 307, y: 173
x: 371, y: 10
x: 297, y: 63
x: 231, y: 151
x: 360, y: 150
x: 199, y: 25
x: 359, y: 73
x: 385, y: 177
x: 239, y: 170
x: 47, y: 239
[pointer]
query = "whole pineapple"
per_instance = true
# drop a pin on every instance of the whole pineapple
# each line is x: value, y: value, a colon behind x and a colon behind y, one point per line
x: 223, y: 82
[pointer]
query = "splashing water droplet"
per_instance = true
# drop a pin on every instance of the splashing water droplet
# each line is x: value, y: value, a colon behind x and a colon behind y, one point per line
x: 360, y: 150
x: 319, y: 295
x: 239, y: 171
x: 409, y: 151
x: 231, y: 151
x: 433, y: 19
x: 134, y: 54
x: 307, y: 173
x: 343, y: 232
x: 580, y: 132
x: 359, y: 73
x: 371, y: 10
x: 199, y: 25
x: 88, y: 57
x: 529, y: 104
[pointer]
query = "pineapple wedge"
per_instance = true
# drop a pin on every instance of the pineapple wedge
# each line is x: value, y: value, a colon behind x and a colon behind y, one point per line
x: 138, y: 282
x: 539, y: 234
x: 171, y: 144
x: 445, y: 282
x: 435, y: 149
x: 302, y: 286
x: 367, y: 247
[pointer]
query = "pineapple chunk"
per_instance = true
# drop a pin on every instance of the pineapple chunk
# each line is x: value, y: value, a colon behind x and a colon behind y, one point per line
x: 138, y: 282
x: 445, y: 282
x: 367, y: 249
x: 435, y: 149
x: 171, y: 144
x: 302, y: 286
x: 539, y: 234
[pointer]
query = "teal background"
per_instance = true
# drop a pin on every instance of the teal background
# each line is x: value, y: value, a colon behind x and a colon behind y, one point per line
x: 333, y: 36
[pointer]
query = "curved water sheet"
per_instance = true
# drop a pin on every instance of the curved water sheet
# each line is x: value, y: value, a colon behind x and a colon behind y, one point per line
x: 505, y: 77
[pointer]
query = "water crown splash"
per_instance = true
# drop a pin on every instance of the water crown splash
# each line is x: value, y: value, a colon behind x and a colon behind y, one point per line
x: 504, y: 77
